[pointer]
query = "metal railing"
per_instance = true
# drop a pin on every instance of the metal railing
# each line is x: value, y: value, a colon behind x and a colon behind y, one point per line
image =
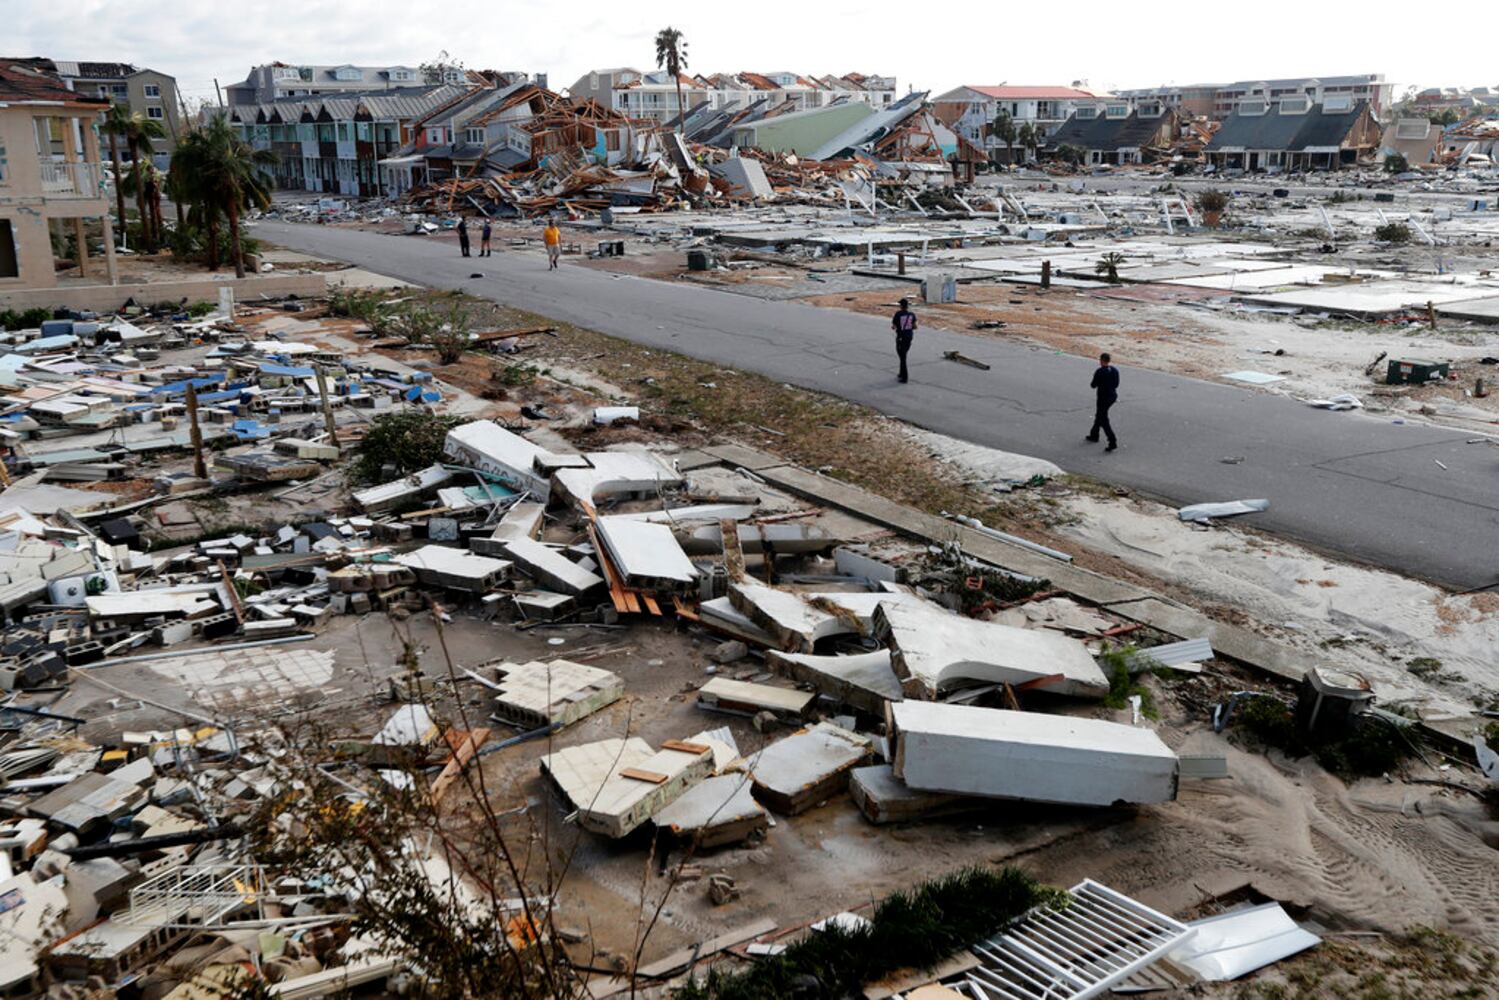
x: 72, y: 180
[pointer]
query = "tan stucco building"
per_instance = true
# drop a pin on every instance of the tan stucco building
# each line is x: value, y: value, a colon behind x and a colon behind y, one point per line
x: 51, y: 180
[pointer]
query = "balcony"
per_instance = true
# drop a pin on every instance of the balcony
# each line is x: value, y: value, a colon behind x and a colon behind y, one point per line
x: 72, y: 180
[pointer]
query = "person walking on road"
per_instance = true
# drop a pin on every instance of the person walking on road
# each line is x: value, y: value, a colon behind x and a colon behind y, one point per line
x: 463, y: 235
x: 1106, y: 384
x: 552, y: 237
x: 484, y: 234
x: 904, y: 325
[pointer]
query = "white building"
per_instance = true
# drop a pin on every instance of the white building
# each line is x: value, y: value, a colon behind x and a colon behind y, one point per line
x: 653, y: 94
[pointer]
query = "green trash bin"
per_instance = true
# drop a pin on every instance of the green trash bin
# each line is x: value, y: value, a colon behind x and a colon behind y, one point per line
x: 1411, y: 371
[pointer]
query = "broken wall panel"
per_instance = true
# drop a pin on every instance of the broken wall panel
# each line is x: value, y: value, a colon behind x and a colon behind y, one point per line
x: 999, y: 753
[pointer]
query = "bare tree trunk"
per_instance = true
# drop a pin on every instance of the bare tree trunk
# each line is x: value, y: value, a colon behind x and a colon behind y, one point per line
x: 681, y: 111
x: 234, y: 247
x: 211, y: 221
x: 114, y: 155
x: 140, y: 199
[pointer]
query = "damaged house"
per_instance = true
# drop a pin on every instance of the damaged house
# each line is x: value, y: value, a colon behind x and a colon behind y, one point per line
x: 1293, y: 133
x: 1116, y: 134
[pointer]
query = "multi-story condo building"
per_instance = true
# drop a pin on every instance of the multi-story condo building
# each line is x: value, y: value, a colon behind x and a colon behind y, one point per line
x: 147, y: 91
x: 1194, y: 100
x: 274, y: 81
x: 653, y: 94
x: 51, y: 179
x: 970, y: 109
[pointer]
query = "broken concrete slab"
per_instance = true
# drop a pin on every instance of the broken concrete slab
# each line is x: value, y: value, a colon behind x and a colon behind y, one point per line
x: 720, y: 615
x: 716, y: 811
x: 615, y: 785
x: 387, y: 496
x: 794, y: 774
x: 549, y: 567
x: 865, y: 681
x: 756, y: 539
x: 999, y: 753
x: 742, y: 697
x: 934, y: 650
x: 884, y: 798
x: 559, y: 692
x: 455, y: 569
x: 646, y: 555
x: 1060, y: 614
x: 793, y: 622
x: 617, y: 473
x: 491, y: 449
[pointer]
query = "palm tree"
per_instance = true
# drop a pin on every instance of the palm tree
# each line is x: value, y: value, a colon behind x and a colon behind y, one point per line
x: 233, y: 178
x: 1108, y: 266
x: 1029, y: 138
x: 116, y: 121
x: 671, y: 55
x: 139, y: 131
x: 1003, y: 129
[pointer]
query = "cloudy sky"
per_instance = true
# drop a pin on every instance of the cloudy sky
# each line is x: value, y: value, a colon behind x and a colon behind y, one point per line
x: 929, y: 47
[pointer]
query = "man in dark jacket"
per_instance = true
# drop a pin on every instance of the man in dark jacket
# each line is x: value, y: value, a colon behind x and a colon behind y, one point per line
x: 904, y: 325
x: 463, y: 235
x: 1106, y: 384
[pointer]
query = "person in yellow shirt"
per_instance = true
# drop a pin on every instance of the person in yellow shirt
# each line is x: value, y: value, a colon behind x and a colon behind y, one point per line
x: 552, y: 236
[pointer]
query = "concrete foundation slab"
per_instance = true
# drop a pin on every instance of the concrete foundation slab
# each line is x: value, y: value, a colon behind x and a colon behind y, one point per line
x: 884, y: 798
x: 716, y: 811
x: 536, y: 694
x: 796, y: 773
x: 865, y: 681
x: 741, y: 696
x: 615, y: 785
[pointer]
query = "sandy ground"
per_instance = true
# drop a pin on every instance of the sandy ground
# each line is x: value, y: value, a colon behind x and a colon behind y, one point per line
x: 1385, y: 626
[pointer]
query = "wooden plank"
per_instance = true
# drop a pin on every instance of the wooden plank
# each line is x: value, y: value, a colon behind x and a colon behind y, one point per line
x: 632, y: 602
x: 679, y: 960
x: 684, y: 609
x: 685, y: 747
x: 639, y: 774
x: 650, y: 604
x: 465, y: 752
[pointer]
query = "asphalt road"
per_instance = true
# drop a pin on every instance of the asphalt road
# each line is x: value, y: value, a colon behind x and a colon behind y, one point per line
x: 1362, y: 487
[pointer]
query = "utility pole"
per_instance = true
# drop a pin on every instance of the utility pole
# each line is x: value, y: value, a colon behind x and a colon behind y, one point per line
x: 199, y: 469
x: 322, y: 390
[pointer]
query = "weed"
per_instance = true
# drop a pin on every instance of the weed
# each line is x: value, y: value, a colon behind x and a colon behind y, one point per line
x: 1115, y: 661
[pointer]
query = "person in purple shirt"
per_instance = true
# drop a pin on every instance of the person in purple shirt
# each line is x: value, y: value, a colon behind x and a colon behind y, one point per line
x: 1106, y: 385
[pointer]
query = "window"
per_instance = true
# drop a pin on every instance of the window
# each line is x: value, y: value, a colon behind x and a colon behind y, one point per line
x: 153, y: 90
x: 1253, y: 107
x: 9, y: 265
x: 284, y: 73
x: 3, y: 172
x: 1295, y: 105
x: 611, y: 141
x: 347, y: 73
x: 1151, y: 109
x: 155, y: 112
x: 1118, y: 111
x: 401, y: 75
x: 1087, y: 111
x: 473, y: 135
x: 1338, y: 104
x: 120, y: 90
x: 434, y: 136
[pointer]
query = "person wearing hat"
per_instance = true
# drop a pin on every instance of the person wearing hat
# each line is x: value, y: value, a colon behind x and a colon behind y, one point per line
x: 904, y: 324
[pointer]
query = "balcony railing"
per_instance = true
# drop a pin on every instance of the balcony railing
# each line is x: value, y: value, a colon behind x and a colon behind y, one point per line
x: 72, y: 180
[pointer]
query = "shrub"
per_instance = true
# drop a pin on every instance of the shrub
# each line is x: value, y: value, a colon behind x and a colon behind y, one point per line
x: 10, y: 320
x: 1212, y: 200
x: 1393, y: 232
x: 198, y: 309
x: 1108, y: 266
x: 1372, y: 746
x: 406, y: 441
x: 35, y: 316
x: 1395, y: 163
x: 916, y: 929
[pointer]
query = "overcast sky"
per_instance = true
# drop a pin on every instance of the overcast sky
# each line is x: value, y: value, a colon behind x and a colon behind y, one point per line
x: 927, y: 46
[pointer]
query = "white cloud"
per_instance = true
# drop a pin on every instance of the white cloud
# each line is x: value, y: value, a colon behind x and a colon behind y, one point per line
x: 937, y: 47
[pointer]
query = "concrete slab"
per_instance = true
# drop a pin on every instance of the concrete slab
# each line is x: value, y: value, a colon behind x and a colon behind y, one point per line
x: 865, y: 681
x: 716, y: 811
x: 997, y: 753
x: 647, y: 555
x: 794, y: 623
x: 616, y: 473
x: 884, y: 798
x: 934, y: 650
x: 536, y: 694
x: 794, y: 774
x: 617, y: 784
x: 549, y: 567
x: 720, y: 615
x: 456, y: 569
x: 743, y: 697
x: 497, y: 452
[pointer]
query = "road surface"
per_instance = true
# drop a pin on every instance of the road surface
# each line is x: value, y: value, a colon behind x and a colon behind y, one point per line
x: 1363, y: 487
